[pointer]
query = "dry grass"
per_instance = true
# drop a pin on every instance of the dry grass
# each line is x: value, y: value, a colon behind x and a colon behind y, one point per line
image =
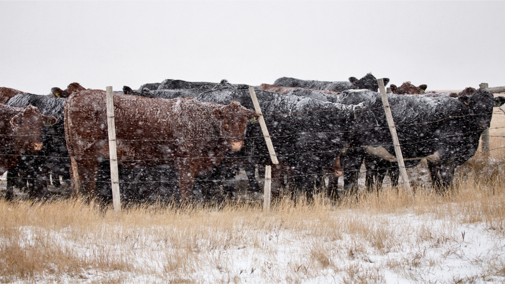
x: 69, y: 238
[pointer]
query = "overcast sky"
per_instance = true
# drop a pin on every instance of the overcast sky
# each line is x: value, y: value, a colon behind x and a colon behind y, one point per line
x: 447, y: 45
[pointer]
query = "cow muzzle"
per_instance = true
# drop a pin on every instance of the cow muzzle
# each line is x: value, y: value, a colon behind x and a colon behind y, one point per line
x: 37, y: 146
x: 236, y: 145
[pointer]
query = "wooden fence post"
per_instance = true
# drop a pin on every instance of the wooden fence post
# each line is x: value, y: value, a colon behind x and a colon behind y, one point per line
x: 270, y: 146
x: 268, y: 190
x: 396, y: 142
x: 113, y: 151
x: 484, y: 138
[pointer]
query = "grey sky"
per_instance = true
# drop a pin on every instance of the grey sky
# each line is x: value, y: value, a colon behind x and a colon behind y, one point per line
x: 447, y: 45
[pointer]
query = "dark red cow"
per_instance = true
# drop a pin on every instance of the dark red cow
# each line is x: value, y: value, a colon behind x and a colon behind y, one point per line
x: 188, y: 135
x: 7, y: 93
x: 21, y: 130
x: 72, y: 87
x: 468, y: 91
x: 408, y: 88
x: 285, y: 90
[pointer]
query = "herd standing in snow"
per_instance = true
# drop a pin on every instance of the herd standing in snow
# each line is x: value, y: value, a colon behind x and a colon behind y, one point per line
x: 187, y: 129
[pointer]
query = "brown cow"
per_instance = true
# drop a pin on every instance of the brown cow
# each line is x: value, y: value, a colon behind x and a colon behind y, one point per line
x: 188, y: 135
x: 21, y: 130
x: 285, y: 90
x: 7, y: 93
x: 72, y: 87
x: 408, y: 88
x: 468, y: 91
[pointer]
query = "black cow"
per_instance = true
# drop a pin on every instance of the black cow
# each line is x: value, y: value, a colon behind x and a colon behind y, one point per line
x: 171, y: 84
x: 426, y: 125
x: 369, y: 82
x: 445, y: 130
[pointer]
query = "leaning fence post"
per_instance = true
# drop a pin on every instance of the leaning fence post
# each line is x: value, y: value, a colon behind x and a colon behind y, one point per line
x: 112, y: 151
x: 484, y: 138
x: 270, y: 146
x: 392, y: 129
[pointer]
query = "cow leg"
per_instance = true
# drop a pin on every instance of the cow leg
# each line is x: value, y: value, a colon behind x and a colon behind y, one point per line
x: 434, y: 173
x: 40, y: 182
x: 186, y: 179
x: 55, y: 178
x: 447, y: 175
x: 304, y: 180
x: 351, y: 162
x: 335, y: 172
x: 12, y: 177
x: 85, y: 172
x: 332, y: 189
x: 394, y: 176
x: 277, y: 177
x: 250, y: 172
x: 228, y: 175
x: 371, y: 174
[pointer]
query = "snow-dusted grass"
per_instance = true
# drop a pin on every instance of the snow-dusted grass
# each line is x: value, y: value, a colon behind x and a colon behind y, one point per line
x: 390, y: 238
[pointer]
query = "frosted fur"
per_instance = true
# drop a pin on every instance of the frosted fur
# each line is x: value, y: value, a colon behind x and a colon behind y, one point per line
x: 336, y: 86
x: 46, y: 105
x: 7, y: 93
x: 368, y: 82
x: 185, y: 134
x: 172, y: 84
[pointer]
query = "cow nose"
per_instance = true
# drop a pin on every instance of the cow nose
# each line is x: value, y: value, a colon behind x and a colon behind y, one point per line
x: 236, y: 145
x: 37, y: 146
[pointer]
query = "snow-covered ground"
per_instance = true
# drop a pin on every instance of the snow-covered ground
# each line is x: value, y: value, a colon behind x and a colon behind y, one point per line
x: 329, y: 246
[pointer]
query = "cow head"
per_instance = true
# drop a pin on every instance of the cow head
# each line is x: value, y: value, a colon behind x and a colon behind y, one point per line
x: 59, y: 93
x: 408, y: 88
x: 368, y: 82
x: 234, y: 119
x: 480, y: 106
x: 127, y: 90
x: 72, y: 87
x: 28, y: 127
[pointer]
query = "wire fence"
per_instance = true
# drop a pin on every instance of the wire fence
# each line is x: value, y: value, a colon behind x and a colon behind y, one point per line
x: 283, y: 136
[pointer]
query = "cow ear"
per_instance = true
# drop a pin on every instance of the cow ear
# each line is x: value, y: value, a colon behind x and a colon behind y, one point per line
x: 499, y: 101
x: 17, y: 120
x: 464, y: 99
x: 56, y: 92
x: 73, y: 87
x: 353, y: 80
x: 127, y: 90
x: 386, y: 81
x: 235, y: 105
x: 423, y: 87
x: 49, y: 120
x: 218, y: 113
x: 393, y: 88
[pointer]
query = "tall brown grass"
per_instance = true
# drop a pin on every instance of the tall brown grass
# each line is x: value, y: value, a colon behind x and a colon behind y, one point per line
x: 65, y: 238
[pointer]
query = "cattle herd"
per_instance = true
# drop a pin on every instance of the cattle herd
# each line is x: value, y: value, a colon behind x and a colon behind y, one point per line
x: 185, y: 141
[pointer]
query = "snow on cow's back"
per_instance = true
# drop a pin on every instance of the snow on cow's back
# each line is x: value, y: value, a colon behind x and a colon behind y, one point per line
x: 405, y: 108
